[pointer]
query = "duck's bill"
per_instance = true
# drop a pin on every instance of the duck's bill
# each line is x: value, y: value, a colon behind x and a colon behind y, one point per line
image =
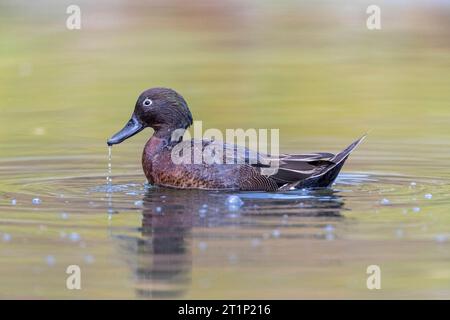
x: 131, y: 128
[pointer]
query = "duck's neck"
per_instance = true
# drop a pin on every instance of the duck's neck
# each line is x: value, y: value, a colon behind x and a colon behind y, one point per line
x: 169, y: 133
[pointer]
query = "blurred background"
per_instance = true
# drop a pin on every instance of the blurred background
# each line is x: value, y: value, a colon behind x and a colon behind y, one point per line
x: 310, y: 68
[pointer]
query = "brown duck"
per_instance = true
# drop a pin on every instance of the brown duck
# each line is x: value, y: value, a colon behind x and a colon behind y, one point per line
x: 168, y: 114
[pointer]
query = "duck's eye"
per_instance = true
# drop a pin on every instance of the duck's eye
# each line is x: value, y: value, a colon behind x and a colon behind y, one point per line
x: 147, y: 102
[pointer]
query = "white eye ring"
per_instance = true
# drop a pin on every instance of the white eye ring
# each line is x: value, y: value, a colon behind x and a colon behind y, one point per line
x: 147, y: 102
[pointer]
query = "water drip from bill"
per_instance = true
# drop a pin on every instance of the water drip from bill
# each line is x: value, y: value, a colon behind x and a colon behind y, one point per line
x: 109, y: 183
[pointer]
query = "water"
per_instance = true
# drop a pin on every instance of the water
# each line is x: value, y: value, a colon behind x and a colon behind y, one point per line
x: 273, y: 66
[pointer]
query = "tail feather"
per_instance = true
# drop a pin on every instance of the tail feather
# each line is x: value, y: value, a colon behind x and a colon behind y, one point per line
x: 344, y: 153
x: 326, y: 176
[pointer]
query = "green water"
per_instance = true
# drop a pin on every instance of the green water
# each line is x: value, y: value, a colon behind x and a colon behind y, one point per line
x: 313, y: 71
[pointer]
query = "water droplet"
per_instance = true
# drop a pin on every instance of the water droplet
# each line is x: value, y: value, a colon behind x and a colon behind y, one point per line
x: 413, y: 184
x: 441, y: 238
x: 276, y: 233
x: 139, y: 203
x: 329, y: 228
x: 428, y: 196
x: 385, y: 202
x: 13, y: 202
x: 416, y: 209
x: 74, y: 237
x: 158, y: 209
x: 232, y: 258
x: 202, y: 212
x: 329, y: 236
x: 36, y: 201
x: 256, y: 242
x: 50, y: 260
x: 234, y: 201
x: 89, y: 259
x: 64, y: 216
x: 202, y: 246
x: 7, y: 237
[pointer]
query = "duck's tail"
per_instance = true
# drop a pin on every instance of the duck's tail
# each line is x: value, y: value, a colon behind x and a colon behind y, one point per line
x: 327, y: 176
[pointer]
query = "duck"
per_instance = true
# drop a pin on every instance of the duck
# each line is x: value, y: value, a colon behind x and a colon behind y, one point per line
x: 167, y: 113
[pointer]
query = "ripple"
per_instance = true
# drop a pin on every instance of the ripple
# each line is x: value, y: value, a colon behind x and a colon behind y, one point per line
x: 87, y: 193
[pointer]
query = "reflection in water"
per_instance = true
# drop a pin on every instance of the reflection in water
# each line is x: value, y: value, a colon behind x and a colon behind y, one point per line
x: 161, y: 258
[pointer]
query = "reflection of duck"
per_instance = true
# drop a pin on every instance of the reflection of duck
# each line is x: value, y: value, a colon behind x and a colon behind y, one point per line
x: 229, y: 166
x: 163, y: 263
x: 161, y: 257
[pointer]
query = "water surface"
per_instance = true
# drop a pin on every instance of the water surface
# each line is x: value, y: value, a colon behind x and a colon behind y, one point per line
x: 315, y: 73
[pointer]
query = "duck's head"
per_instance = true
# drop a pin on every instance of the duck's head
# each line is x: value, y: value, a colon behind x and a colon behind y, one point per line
x: 162, y: 109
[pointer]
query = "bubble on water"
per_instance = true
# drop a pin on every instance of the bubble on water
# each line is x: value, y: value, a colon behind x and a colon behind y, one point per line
x: 7, y: 237
x: 89, y: 259
x: 234, y: 201
x: 202, y: 246
x: 158, y: 209
x: 202, y: 212
x: 428, y: 196
x: 413, y: 184
x: 233, y: 208
x: 74, y: 237
x: 329, y: 236
x: 36, y: 201
x: 256, y: 242
x: 329, y: 228
x: 139, y: 203
x: 276, y: 233
x: 416, y: 209
x: 441, y: 238
x: 205, y: 206
x: 385, y: 202
x: 13, y: 202
x: 50, y: 260
x: 233, y: 258
x: 64, y: 215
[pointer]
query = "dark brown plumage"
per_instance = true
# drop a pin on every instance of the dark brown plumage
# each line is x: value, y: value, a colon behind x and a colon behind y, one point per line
x: 240, y: 169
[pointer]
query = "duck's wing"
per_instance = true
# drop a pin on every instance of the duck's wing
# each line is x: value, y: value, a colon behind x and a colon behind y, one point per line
x: 297, y: 167
x: 210, y: 159
x: 317, y: 170
x: 213, y: 151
